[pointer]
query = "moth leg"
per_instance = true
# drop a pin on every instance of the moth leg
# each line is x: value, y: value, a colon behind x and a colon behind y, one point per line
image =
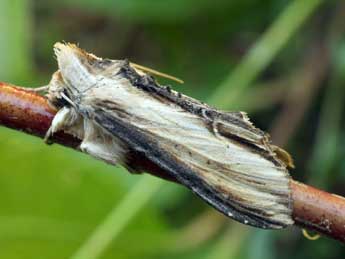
x: 101, y: 145
x: 40, y: 89
x: 36, y: 89
x: 215, y: 129
x: 47, y: 136
x: 68, y: 100
x: 214, y: 123
x: 204, y: 114
x: 90, y: 137
x: 59, y: 122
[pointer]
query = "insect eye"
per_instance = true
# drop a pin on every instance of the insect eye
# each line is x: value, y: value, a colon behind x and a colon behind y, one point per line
x: 60, y: 102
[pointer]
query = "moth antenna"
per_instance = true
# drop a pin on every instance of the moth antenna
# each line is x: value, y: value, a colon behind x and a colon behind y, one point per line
x: 41, y: 88
x: 36, y: 89
x: 157, y: 73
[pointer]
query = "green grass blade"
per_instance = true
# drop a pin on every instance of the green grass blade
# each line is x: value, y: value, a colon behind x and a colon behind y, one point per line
x: 119, y: 218
x: 328, y: 135
x: 263, y: 52
x: 15, y: 40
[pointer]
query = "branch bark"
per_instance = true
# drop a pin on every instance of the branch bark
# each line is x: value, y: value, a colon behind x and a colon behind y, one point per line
x: 29, y: 112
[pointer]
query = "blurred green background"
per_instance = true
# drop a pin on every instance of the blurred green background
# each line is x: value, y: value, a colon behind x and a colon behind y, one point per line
x: 281, y: 61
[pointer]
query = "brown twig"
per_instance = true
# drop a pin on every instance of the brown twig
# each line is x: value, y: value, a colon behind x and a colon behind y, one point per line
x: 29, y: 112
x: 312, y: 208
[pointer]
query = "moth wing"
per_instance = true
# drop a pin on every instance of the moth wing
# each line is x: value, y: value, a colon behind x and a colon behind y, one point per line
x: 238, y: 124
x: 235, y: 192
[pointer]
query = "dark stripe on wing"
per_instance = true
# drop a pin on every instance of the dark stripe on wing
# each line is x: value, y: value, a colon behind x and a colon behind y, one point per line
x: 142, y: 143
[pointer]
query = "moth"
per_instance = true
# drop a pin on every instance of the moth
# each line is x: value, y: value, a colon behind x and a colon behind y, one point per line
x: 117, y: 109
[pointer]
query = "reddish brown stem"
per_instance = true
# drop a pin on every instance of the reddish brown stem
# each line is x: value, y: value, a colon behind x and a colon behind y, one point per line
x: 29, y: 112
x: 319, y: 210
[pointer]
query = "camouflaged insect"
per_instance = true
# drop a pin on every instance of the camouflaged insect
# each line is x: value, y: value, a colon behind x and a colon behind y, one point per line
x: 117, y: 109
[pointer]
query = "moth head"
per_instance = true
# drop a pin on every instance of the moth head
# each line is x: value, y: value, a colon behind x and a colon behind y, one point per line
x: 81, y: 70
x: 57, y: 88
